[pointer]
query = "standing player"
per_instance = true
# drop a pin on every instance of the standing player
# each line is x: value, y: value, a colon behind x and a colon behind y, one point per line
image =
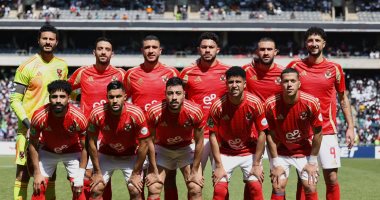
x: 145, y: 85
x: 291, y: 114
x: 30, y: 93
x: 237, y: 125
x: 121, y: 124
x: 205, y: 81
x: 324, y: 79
x: 93, y: 81
x: 263, y: 74
x: 175, y: 122
x: 61, y: 127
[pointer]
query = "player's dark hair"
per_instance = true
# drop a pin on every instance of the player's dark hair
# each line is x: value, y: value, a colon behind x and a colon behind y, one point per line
x: 47, y: 28
x: 208, y: 36
x: 315, y: 31
x: 266, y: 39
x: 150, y: 37
x: 114, y: 85
x: 59, y: 85
x: 235, y: 71
x: 174, y: 81
x: 289, y: 71
x: 103, y: 39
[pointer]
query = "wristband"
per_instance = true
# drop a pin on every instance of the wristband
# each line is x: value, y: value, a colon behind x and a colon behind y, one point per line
x: 78, y: 179
x: 313, y: 160
x: 276, y: 162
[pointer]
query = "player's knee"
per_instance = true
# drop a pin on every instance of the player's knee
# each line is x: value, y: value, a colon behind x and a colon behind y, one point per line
x: 194, y: 189
x: 155, y: 189
x: 133, y: 191
x: 331, y: 176
x: 278, y: 188
x: 22, y: 173
x: 97, y: 190
x: 310, y: 188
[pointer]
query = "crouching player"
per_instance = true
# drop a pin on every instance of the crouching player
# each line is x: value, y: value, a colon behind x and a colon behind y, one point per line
x: 175, y: 122
x: 291, y: 116
x: 237, y: 125
x: 61, y: 127
x: 122, y: 125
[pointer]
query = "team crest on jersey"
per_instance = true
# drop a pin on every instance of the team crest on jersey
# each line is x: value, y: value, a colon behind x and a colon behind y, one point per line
x: 114, y: 78
x: 303, y: 115
x: 223, y: 77
x: 278, y: 81
x: 21, y: 154
x: 320, y: 118
x: 328, y: 74
x: 32, y: 131
x: 71, y: 128
x: 91, y: 127
x: 127, y: 127
x: 164, y: 78
x: 248, y: 116
x: 210, y: 122
x: 59, y: 73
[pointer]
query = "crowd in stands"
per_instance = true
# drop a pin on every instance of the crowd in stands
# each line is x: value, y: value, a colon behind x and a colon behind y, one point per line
x: 364, y: 95
x: 367, y: 5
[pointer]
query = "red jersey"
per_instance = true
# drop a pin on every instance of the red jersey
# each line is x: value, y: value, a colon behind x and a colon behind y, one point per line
x: 120, y: 132
x: 93, y: 85
x: 322, y: 81
x: 237, y: 126
x: 175, y: 130
x: 59, y: 134
x: 203, y: 86
x: 263, y: 83
x: 293, y: 124
x: 147, y: 87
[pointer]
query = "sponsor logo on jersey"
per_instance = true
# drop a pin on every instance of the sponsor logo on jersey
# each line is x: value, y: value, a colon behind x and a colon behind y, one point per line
x: 292, y: 137
x: 127, y: 127
x: 174, y: 140
x: 90, y: 79
x: 39, y: 74
x: 118, y: 147
x: 140, y: 81
x: 59, y: 73
x: 236, y: 144
x: 207, y: 100
x: 185, y: 79
x: 328, y: 74
x: 60, y: 149
x: 303, y: 115
x: 144, y: 130
x: 303, y: 73
x: 198, y: 79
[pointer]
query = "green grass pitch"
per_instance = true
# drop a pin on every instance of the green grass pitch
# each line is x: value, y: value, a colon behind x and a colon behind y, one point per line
x: 359, y: 179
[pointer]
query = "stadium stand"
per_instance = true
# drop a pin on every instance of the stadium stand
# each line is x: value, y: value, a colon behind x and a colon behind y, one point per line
x: 8, y: 120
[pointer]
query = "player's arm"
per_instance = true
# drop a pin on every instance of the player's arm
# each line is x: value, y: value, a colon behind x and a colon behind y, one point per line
x: 142, y: 151
x: 277, y: 170
x: 219, y: 171
x: 257, y: 169
x: 16, y: 98
x: 195, y: 176
x: 346, y: 108
x: 311, y: 167
x: 92, y: 135
x: 34, y: 157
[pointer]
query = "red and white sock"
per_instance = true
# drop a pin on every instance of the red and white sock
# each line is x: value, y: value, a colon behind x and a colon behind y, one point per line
x: 311, y: 196
x: 221, y: 191
x: 255, y: 191
x: 332, y: 192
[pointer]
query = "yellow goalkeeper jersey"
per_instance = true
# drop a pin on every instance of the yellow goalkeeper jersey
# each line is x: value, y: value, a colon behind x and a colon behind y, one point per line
x: 35, y: 74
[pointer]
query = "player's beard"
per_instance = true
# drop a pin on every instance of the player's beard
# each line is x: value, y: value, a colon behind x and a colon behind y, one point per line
x: 151, y: 61
x: 268, y: 63
x: 47, y: 51
x: 315, y: 54
x: 59, y: 111
x: 208, y: 60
